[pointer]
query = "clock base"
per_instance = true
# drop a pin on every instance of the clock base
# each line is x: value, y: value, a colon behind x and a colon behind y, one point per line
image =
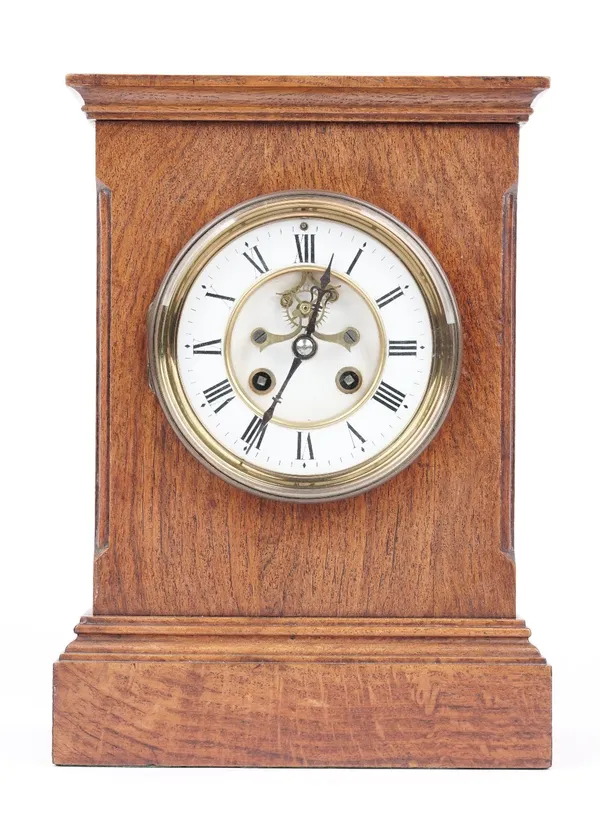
x: 302, y: 692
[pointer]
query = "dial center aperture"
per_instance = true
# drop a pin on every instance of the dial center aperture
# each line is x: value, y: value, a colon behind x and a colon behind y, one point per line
x: 270, y: 327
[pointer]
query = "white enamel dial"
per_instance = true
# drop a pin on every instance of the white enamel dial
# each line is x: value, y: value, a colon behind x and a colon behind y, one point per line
x: 317, y: 427
x: 299, y: 358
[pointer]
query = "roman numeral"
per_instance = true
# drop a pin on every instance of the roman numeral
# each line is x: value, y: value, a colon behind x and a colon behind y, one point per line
x: 210, y: 347
x: 403, y: 348
x: 305, y: 248
x: 219, y: 391
x: 389, y: 397
x: 254, y: 433
x: 219, y: 296
x: 354, y: 434
x: 385, y: 299
x: 304, y: 445
x: 355, y: 261
x: 252, y: 253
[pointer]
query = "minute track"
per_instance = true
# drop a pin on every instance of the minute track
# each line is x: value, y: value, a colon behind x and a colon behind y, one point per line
x: 305, y: 330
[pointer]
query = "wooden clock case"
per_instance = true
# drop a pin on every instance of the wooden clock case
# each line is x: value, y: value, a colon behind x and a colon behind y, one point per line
x: 378, y: 631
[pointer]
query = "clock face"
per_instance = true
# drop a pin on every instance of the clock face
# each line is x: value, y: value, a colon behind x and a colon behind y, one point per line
x: 305, y: 346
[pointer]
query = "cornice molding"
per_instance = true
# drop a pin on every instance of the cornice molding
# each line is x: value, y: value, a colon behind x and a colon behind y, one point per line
x: 306, y: 98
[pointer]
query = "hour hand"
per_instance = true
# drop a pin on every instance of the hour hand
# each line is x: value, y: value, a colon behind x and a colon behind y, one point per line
x: 263, y: 338
x: 347, y: 338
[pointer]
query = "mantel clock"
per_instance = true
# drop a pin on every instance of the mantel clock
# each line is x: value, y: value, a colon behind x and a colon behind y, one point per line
x: 304, y: 544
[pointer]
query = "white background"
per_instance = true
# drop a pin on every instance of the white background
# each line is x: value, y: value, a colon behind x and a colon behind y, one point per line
x: 48, y: 370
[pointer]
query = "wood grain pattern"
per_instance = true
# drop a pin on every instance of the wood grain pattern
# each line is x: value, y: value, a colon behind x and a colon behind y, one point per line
x: 428, y: 543
x: 298, y: 98
x: 242, y: 705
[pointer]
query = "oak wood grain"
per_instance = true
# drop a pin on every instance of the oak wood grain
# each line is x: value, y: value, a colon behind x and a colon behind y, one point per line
x: 301, y: 98
x: 428, y: 543
x: 299, y: 714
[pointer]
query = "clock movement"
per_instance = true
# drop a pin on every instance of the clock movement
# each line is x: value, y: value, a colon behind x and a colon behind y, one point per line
x: 304, y: 538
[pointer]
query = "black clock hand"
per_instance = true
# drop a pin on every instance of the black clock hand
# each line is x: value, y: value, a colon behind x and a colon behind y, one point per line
x: 323, y: 283
x: 268, y: 414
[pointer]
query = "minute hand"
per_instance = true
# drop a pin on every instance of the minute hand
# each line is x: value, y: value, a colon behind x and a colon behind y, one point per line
x: 268, y: 414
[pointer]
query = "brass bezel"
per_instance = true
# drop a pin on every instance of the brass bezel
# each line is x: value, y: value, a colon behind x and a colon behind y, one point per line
x: 163, y: 320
